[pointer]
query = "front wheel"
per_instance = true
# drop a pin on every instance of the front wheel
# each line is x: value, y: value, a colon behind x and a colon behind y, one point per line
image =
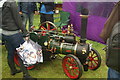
x: 72, y: 66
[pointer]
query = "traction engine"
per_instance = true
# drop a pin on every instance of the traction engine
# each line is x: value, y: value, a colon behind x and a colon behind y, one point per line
x: 79, y: 54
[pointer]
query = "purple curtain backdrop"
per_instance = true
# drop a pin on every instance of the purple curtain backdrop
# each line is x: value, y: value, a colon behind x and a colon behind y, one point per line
x: 98, y: 14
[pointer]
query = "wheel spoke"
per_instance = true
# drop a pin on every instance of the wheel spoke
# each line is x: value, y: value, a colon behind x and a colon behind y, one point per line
x: 94, y: 64
x: 48, y: 26
x: 91, y: 63
x: 72, y: 60
x: 75, y: 68
x: 74, y: 64
x: 95, y: 56
x: 67, y: 67
x: 73, y: 72
x: 42, y: 27
x: 68, y: 63
x: 92, y: 53
x: 53, y: 29
x: 96, y: 61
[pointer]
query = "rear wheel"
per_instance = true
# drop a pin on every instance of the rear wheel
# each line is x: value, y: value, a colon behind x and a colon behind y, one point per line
x: 72, y: 66
x: 94, y: 60
x: 17, y: 62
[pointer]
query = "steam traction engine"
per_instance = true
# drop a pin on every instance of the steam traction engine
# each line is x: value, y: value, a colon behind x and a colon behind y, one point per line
x: 79, y: 54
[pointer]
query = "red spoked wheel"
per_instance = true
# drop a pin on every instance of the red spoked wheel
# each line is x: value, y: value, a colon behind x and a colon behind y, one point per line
x: 72, y: 66
x: 94, y: 60
x: 17, y: 62
x: 48, y: 26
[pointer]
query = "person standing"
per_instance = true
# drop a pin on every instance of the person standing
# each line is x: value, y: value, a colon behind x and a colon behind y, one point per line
x: 27, y: 10
x: 46, y: 11
x: 112, y: 26
x: 12, y: 33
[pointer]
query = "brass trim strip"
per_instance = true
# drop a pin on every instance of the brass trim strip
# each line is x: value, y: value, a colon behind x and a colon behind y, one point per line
x: 75, y: 48
x: 61, y: 47
x: 84, y: 16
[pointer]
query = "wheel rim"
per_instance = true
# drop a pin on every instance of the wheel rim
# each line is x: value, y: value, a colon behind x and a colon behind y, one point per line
x: 93, y: 59
x: 71, y: 67
x: 17, y: 62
